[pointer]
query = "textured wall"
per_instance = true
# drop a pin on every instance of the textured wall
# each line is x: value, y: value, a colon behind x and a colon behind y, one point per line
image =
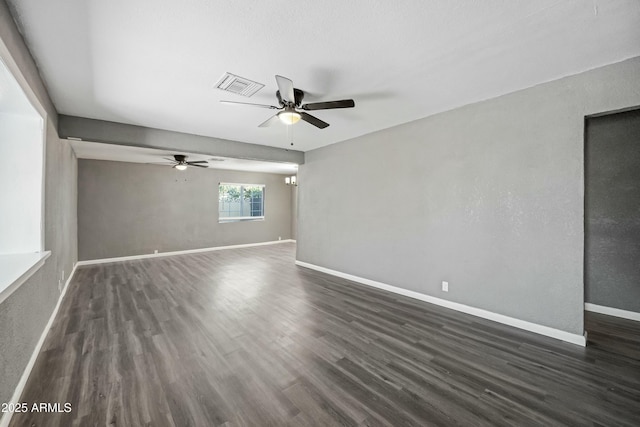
x: 131, y: 209
x: 490, y: 198
x: 612, y: 202
x: 25, y: 313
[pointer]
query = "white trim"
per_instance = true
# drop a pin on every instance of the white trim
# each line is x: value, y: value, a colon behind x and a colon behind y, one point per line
x: 580, y: 340
x: 610, y: 311
x: 43, y: 183
x: 188, y: 251
x: 225, y: 219
x: 35, y: 261
x: 17, y: 393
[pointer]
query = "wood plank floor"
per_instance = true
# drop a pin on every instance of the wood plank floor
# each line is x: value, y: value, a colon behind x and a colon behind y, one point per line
x: 244, y: 337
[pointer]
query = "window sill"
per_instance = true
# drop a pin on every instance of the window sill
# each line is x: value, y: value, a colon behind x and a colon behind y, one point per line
x: 240, y: 219
x: 15, y: 269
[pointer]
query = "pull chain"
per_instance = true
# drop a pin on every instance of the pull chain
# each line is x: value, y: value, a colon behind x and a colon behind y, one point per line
x: 290, y: 134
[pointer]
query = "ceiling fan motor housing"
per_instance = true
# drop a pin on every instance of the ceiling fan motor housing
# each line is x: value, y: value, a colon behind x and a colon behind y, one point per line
x: 297, y: 93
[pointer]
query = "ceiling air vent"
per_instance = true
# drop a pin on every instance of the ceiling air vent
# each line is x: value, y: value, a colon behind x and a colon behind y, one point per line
x: 238, y: 85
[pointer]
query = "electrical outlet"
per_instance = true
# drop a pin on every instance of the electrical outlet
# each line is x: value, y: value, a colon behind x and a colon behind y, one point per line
x: 445, y: 286
x: 59, y: 285
x: 279, y: 237
x: 155, y: 251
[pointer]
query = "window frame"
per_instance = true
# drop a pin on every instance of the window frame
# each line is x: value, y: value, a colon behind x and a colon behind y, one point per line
x: 18, y: 267
x: 230, y: 219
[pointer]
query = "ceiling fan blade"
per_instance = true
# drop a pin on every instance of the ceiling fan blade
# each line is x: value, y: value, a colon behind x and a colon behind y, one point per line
x: 271, y: 107
x: 197, y: 161
x: 313, y: 120
x: 345, y: 103
x: 161, y: 163
x: 170, y: 159
x: 269, y: 121
x: 198, y: 166
x: 285, y: 86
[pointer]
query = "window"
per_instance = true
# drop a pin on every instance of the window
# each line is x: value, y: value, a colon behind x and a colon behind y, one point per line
x: 21, y: 137
x: 22, y: 131
x: 240, y: 202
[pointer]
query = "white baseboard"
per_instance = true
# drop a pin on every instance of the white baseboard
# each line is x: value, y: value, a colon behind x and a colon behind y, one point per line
x: 17, y: 393
x: 610, y: 311
x: 580, y: 340
x: 184, y: 252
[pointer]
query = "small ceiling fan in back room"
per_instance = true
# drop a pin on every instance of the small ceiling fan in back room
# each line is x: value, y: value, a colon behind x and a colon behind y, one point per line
x: 292, y: 110
x: 180, y: 162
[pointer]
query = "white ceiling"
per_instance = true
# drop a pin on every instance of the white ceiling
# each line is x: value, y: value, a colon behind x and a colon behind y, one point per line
x: 130, y: 154
x: 154, y: 62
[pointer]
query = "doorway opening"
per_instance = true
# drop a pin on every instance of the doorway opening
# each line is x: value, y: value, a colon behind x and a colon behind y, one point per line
x: 611, y: 222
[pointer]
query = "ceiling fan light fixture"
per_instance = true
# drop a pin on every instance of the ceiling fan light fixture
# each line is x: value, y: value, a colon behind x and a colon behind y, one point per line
x: 289, y: 117
x: 181, y: 167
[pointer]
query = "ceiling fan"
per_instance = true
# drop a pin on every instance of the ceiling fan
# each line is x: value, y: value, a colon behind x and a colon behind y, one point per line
x: 291, y: 107
x: 180, y: 162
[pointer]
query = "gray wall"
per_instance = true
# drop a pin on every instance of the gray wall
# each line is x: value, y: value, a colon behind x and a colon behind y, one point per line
x: 132, y: 209
x: 489, y: 196
x: 612, y: 204
x: 25, y: 313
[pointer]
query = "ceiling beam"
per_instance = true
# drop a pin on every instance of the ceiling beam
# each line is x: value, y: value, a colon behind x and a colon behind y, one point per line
x: 139, y: 136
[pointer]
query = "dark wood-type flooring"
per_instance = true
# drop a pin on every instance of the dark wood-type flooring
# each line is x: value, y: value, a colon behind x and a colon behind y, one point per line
x: 244, y: 337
